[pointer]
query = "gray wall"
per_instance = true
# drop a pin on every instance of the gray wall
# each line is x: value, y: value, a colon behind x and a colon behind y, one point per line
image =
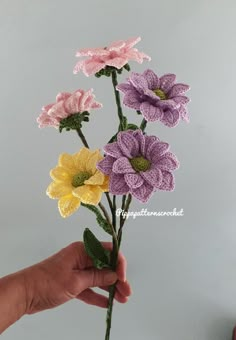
x: 182, y: 270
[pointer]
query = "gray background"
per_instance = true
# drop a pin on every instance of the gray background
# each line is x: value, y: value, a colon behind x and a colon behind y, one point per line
x: 182, y: 270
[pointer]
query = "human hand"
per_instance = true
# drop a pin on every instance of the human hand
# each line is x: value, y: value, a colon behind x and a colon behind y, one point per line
x: 70, y: 274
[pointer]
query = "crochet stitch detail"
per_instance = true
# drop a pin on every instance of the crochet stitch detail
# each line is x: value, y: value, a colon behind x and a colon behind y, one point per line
x: 80, y: 178
x: 140, y: 163
x: 161, y: 94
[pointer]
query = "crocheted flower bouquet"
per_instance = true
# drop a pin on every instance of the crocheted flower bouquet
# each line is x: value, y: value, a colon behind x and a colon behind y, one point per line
x: 134, y: 164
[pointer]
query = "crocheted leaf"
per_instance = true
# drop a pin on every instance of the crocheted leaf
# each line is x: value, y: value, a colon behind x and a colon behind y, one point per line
x: 74, y: 121
x: 95, y: 250
x: 132, y: 127
x: 99, y: 218
x: 113, y: 139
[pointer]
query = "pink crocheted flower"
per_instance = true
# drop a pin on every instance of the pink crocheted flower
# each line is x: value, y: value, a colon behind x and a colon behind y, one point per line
x: 66, y: 105
x: 138, y: 164
x: 156, y: 98
x: 117, y: 55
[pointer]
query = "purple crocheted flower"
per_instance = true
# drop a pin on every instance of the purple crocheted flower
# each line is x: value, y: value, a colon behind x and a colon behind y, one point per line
x: 138, y: 164
x: 156, y: 98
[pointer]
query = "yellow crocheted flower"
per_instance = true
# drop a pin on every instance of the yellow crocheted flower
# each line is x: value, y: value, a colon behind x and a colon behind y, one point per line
x: 76, y: 179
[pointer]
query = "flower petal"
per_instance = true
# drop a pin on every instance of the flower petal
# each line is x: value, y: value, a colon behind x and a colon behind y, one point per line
x: 58, y: 111
x: 81, y: 158
x: 153, y: 177
x: 92, y: 66
x: 167, y: 162
x: 88, y: 194
x: 105, y: 186
x: 92, y: 161
x: 128, y: 144
x: 168, y: 181
x: 178, y: 89
x: 156, y: 150
x: 132, y: 99
x: 90, y: 52
x: 167, y: 81
x: 105, y: 165
x: 67, y: 205
x: 152, y: 79
x: 122, y: 166
x: 117, y: 62
x: 181, y: 100
x: 149, y: 140
x: 118, y: 185
x: 143, y: 193
x: 133, y: 180
x: 72, y: 104
x: 170, y: 118
x: 135, y: 55
x: 138, y: 81
x: 139, y: 136
x: 184, y: 113
x: 116, y: 45
x: 124, y: 87
x: 151, y: 113
x: 113, y: 149
x: 57, y: 190
x: 60, y: 174
x: 97, y: 179
x: 129, y: 43
x: 67, y: 162
x: 62, y: 96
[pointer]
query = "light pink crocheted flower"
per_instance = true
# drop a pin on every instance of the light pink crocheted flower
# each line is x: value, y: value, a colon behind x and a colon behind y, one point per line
x: 116, y: 55
x: 66, y: 105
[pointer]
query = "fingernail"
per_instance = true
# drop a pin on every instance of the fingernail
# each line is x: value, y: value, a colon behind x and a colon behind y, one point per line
x: 110, y: 277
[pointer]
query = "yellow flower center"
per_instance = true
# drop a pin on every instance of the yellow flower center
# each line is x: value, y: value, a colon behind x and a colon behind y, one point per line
x: 80, y: 178
x: 161, y: 94
x: 140, y: 163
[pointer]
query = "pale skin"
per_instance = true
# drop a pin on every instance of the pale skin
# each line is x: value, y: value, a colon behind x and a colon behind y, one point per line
x: 68, y: 274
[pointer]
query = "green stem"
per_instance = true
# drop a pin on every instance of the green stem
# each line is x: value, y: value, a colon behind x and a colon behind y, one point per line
x: 114, y: 212
x: 112, y: 288
x: 82, y: 137
x: 122, y: 222
x: 143, y: 124
x: 109, y: 201
x: 101, y: 206
x: 118, y: 102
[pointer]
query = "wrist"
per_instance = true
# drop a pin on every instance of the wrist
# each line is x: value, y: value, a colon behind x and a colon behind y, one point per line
x: 13, y: 299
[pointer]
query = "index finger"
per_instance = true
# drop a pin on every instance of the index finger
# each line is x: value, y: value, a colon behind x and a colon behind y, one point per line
x: 83, y: 261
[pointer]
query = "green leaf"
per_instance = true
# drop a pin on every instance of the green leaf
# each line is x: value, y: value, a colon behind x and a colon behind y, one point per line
x: 74, y: 121
x: 127, y: 67
x: 132, y: 127
x: 99, y: 218
x: 113, y: 138
x: 95, y: 250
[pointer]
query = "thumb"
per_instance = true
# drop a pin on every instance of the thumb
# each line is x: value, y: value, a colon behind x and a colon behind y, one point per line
x: 95, y: 277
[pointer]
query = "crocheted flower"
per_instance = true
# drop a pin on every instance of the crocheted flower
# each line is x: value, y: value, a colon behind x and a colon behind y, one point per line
x: 138, y: 164
x: 156, y: 98
x: 76, y: 179
x: 117, y: 55
x: 66, y: 105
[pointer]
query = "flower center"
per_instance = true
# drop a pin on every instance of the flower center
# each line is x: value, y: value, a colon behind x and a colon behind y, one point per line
x: 79, y: 178
x: 161, y: 94
x: 140, y: 163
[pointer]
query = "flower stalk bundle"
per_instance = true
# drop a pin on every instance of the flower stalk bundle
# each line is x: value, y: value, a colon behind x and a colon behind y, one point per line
x: 134, y: 164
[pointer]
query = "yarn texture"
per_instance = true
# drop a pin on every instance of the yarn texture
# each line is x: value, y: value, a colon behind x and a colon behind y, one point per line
x: 117, y: 55
x: 76, y: 179
x: 66, y: 105
x: 156, y: 98
x: 138, y: 164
